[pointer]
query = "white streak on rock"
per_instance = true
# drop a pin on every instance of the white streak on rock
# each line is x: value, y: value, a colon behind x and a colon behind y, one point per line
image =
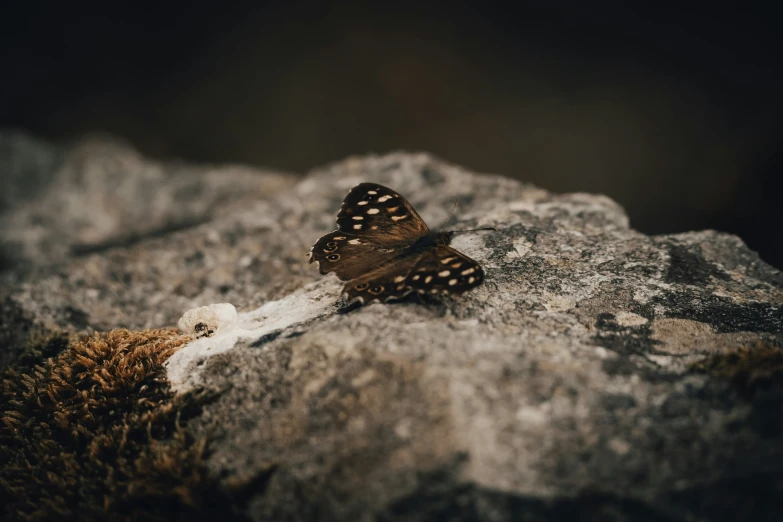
x: 184, y: 367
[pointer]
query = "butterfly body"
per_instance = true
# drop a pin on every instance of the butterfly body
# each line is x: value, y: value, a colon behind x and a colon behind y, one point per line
x: 384, y: 250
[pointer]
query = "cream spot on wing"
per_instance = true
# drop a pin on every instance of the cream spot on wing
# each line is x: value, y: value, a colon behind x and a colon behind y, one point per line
x: 362, y: 202
x: 392, y: 209
x: 468, y: 271
x: 416, y: 277
x: 397, y: 218
x: 399, y: 279
x: 371, y: 192
x: 354, y: 242
x: 400, y: 287
x: 421, y: 291
x: 470, y: 281
x: 357, y: 227
x: 445, y: 273
x: 452, y: 282
x: 357, y: 218
x: 374, y: 227
x: 372, y: 210
x: 427, y: 279
x: 434, y: 291
x: 447, y: 259
x: 338, y: 238
x: 383, y: 198
x: 456, y: 265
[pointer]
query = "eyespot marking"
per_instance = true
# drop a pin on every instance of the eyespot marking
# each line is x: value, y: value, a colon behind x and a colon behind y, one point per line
x: 372, y: 210
x: 375, y: 290
x: 333, y: 257
x: 445, y: 273
x: 362, y: 286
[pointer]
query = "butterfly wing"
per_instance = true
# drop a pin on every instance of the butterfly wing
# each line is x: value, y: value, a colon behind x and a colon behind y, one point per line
x: 385, y: 283
x: 442, y: 269
x: 437, y: 270
x: 380, y: 215
x: 375, y: 224
x: 348, y: 256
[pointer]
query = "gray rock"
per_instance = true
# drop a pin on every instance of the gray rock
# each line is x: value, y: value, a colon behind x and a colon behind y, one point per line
x: 563, y: 388
x: 101, y: 193
x: 27, y: 166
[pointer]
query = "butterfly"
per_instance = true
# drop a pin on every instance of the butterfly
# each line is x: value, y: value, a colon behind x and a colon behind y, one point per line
x: 385, y: 251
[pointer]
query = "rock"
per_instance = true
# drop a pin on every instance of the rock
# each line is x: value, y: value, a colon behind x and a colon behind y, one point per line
x: 101, y: 193
x: 597, y: 373
x: 28, y: 166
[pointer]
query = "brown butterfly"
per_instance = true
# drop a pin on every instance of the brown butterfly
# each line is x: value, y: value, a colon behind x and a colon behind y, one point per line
x: 385, y: 251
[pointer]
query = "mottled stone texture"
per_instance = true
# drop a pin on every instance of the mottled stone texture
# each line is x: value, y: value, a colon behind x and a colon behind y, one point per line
x: 598, y: 374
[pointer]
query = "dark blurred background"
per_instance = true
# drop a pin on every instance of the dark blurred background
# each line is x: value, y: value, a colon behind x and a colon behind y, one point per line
x: 675, y: 113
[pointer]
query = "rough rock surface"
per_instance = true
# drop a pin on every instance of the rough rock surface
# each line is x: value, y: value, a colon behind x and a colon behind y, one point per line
x: 101, y: 193
x: 599, y: 373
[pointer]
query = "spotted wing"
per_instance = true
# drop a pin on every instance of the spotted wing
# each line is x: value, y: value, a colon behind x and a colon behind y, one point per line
x: 380, y: 215
x: 385, y: 283
x: 375, y: 224
x: 349, y: 256
x: 443, y: 270
x: 437, y: 270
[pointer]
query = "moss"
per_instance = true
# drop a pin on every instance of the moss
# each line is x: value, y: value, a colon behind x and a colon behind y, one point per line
x: 40, y: 345
x: 94, y: 433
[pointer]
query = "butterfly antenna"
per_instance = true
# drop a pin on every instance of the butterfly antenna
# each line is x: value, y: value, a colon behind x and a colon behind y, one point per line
x: 450, y: 213
x: 475, y: 230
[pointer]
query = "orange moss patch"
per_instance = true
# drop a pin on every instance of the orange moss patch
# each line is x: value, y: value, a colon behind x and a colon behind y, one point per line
x: 94, y: 434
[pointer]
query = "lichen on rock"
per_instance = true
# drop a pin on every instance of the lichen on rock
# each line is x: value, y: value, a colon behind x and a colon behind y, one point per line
x: 587, y: 377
